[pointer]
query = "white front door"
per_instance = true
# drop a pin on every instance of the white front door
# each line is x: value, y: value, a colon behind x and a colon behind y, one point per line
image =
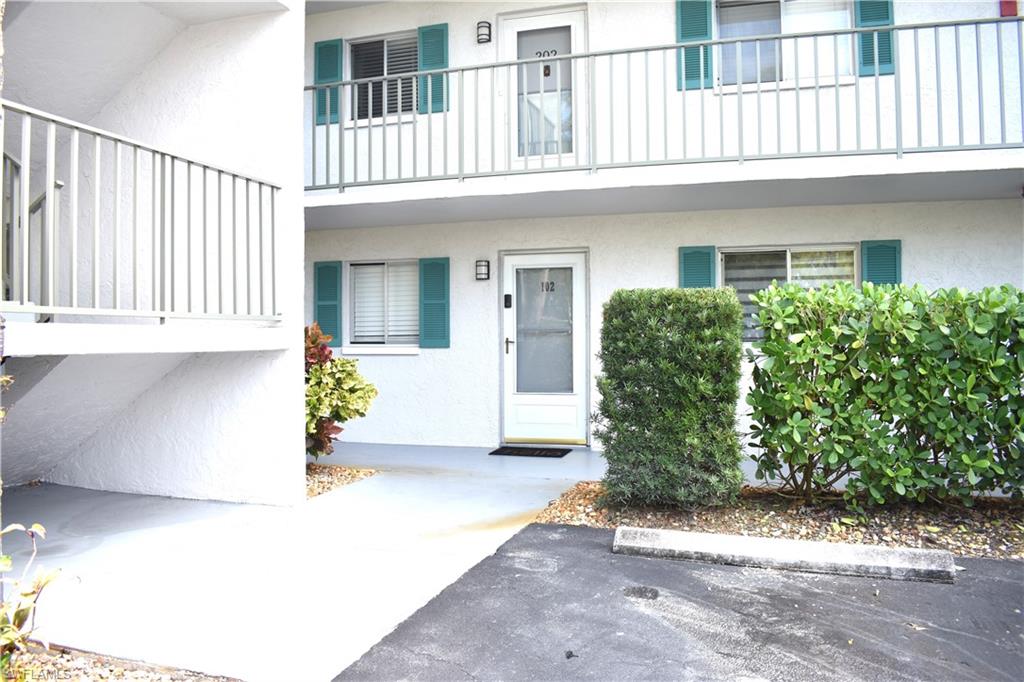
x: 544, y: 347
x: 546, y: 97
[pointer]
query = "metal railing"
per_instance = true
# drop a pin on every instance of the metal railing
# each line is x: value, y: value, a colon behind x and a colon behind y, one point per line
x: 883, y: 90
x: 97, y: 224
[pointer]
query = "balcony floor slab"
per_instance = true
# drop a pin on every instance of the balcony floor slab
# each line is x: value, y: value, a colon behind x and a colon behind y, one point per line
x: 767, y: 183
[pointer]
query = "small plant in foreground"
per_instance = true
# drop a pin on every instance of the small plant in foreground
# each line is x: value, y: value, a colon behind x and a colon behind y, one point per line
x: 335, y: 392
x: 18, y: 609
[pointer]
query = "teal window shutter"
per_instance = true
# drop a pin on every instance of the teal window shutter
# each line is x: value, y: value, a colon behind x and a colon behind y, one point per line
x: 881, y: 261
x: 327, y: 56
x: 697, y: 267
x: 693, y: 24
x: 433, y: 54
x: 435, y: 306
x: 869, y: 13
x: 327, y: 299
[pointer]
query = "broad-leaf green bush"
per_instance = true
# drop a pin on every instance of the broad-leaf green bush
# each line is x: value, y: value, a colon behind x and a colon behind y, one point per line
x: 668, y: 392
x: 335, y: 393
x: 907, y: 393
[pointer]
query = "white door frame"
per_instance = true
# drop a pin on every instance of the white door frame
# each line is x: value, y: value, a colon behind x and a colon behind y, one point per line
x: 582, y: 390
x: 507, y: 26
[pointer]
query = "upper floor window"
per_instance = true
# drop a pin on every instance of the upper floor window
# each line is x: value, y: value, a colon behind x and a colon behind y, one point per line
x: 389, y: 56
x: 743, y: 18
x: 751, y: 270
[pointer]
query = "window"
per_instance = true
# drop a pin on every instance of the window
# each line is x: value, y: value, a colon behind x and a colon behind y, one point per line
x: 385, y: 303
x: 751, y: 271
x: 742, y: 18
x: 385, y: 57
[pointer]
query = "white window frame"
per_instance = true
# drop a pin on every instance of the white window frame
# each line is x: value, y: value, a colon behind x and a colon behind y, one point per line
x: 717, y: 21
x: 350, y: 120
x: 352, y: 347
x: 786, y: 82
x: 789, y: 249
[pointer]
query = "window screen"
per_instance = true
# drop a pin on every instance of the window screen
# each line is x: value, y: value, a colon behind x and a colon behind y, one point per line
x: 816, y: 268
x: 385, y: 303
x: 751, y: 271
x: 741, y: 18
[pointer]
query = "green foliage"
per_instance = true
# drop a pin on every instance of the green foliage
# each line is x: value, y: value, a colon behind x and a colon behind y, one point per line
x: 5, y: 381
x: 667, y: 410
x: 17, y: 613
x: 907, y: 393
x: 335, y: 393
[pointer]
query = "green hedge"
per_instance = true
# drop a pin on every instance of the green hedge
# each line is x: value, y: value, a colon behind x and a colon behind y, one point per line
x: 907, y: 393
x: 668, y: 392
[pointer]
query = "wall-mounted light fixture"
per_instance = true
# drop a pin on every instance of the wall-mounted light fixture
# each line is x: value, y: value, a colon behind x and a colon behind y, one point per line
x: 483, y: 269
x: 483, y: 32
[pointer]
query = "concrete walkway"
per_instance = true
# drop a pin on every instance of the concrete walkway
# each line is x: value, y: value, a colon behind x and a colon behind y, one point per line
x: 264, y: 593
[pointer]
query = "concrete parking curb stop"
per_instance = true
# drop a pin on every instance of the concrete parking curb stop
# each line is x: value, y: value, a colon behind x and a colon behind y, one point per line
x: 795, y: 555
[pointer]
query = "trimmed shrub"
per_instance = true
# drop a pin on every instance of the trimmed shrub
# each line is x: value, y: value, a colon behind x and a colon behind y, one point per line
x: 908, y: 394
x: 668, y: 392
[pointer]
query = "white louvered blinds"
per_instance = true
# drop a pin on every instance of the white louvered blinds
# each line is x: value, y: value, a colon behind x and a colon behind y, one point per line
x: 751, y: 271
x: 403, y: 303
x: 742, y: 18
x: 388, y: 57
x: 385, y: 303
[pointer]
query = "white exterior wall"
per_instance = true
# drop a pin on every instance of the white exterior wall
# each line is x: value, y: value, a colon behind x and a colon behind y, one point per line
x: 219, y: 425
x: 224, y: 426
x: 638, y: 113
x: 453, y: 396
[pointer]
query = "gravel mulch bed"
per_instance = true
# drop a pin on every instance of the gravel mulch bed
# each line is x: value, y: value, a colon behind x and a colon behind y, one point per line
x: 993, y: 528
x: 322, y: 478
x: 77, y: 666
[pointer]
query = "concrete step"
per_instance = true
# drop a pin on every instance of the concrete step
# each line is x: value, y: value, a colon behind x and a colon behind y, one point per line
x: 795, y: 555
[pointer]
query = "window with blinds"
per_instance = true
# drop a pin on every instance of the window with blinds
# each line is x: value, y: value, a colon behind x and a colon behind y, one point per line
x: 742, y: 18
x: 751, y: 271
x: 388, y: 57
x: 385, y: 303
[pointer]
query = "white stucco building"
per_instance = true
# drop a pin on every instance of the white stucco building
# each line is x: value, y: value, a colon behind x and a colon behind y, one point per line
x: 152, y: 236
x: 468, y: 183
x: 452, y: 190
x: 481, y: 176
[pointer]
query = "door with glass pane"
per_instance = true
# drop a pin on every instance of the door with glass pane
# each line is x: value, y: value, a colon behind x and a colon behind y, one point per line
x: 544, y: 102
x: 544, y: 348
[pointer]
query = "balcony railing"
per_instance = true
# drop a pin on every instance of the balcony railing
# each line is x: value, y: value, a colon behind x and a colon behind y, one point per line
x: 98, y: 225
x: 885, y: 90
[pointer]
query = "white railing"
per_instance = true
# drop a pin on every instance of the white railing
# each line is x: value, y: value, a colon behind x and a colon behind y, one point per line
x: 96, y: 224
x: 887, y: 90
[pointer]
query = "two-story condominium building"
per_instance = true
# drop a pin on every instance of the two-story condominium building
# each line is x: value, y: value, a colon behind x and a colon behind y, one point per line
x: 481, y: 176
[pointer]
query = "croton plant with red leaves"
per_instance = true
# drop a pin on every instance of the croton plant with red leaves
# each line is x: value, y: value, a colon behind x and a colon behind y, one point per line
x: 335, y: 392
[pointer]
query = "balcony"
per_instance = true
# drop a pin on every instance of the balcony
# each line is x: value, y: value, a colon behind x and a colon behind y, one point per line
x: 99, y: 229
x: 887, y: 93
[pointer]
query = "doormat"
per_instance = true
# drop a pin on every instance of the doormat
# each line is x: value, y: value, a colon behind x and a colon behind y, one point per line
x: 530, y: 452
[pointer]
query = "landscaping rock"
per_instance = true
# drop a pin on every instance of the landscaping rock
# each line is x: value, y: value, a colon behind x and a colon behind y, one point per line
x: 993, y: 527
x: 68, y: 664
x: 322, y: 478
